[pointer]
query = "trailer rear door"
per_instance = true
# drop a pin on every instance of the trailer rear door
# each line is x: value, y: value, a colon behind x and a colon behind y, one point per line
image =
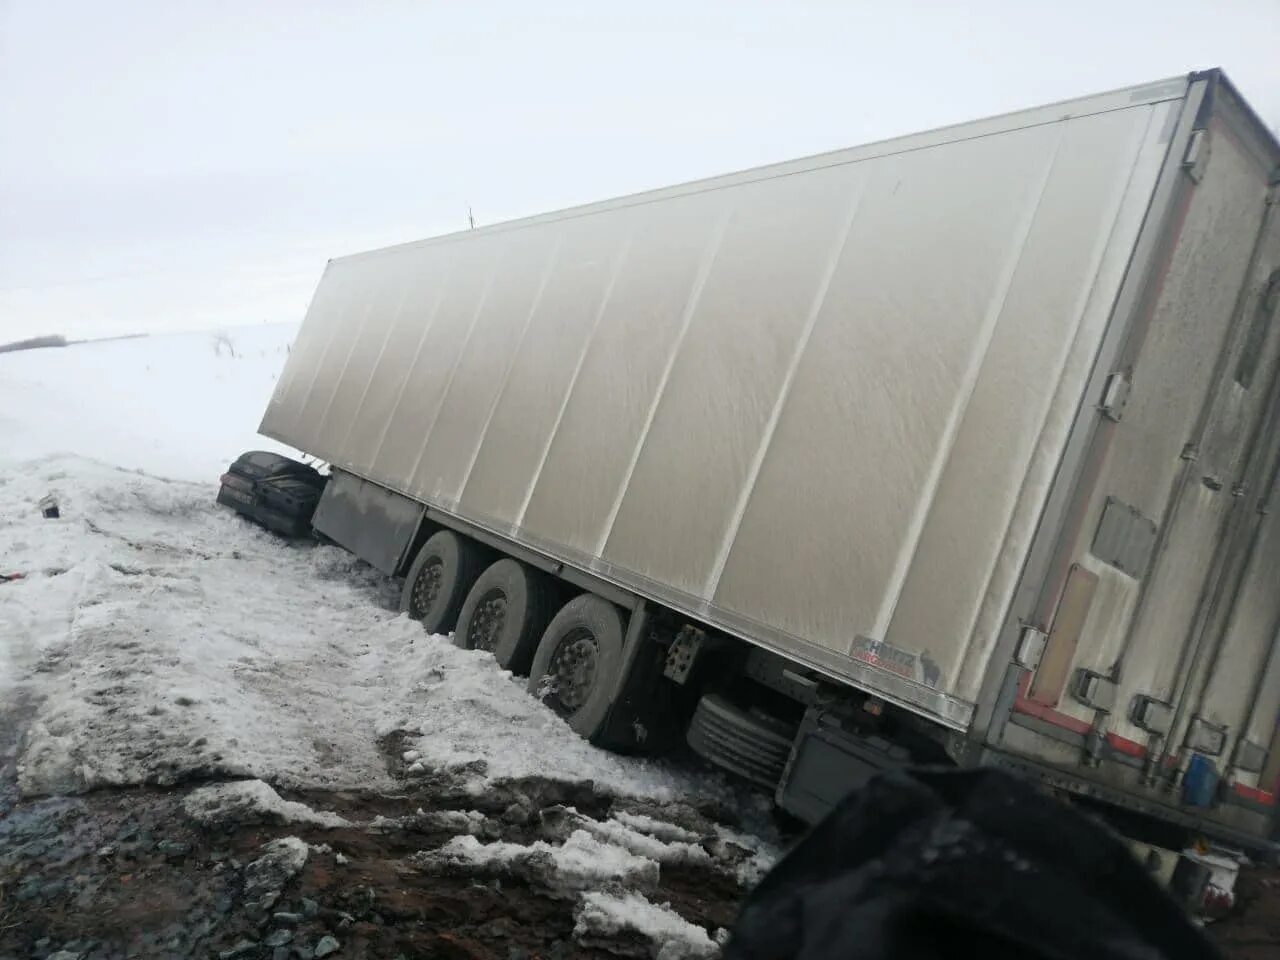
x: 1162, y: 605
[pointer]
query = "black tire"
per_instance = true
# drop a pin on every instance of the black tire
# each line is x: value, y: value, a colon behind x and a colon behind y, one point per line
x: 442, y: 573
x: 582, y: 648
x: 506, y: 611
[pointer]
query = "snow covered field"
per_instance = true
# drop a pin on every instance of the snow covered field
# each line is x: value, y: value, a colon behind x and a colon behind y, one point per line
x: 156, y: 638
x: 178, y: 406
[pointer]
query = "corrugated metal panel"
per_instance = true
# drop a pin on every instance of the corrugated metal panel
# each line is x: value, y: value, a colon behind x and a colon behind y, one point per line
x: 816, y: 403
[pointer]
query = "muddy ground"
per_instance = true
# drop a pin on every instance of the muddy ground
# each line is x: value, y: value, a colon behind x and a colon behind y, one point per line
x: 130, y: 873
x: 1252, y: 930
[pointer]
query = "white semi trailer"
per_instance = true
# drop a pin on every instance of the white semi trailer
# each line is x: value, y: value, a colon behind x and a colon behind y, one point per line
x: 957, y: 447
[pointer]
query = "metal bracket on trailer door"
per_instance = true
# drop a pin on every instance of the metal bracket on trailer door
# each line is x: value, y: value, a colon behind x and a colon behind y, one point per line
x: 1151, y: 715
x: 1115, y: 395
x: 1248, y: 756
x: 1094, y: 690
x: 1205, y: 737
x: 1196, y: 157
x: 1031, y: 647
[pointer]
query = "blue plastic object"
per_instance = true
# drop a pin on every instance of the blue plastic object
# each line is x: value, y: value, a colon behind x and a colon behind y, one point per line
x: 1200, y: 782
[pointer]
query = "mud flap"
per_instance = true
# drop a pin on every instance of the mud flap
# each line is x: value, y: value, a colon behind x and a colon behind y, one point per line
x: 828, y: 763
x: 374, y: 523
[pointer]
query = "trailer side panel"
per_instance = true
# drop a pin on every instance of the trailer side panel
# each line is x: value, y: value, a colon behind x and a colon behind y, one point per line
x: 817, y: 405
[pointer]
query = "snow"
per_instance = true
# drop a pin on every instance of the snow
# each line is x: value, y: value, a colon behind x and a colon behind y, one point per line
x: 451, y: 821
x: 471, y: 711
x: 758, y: 853
x: 280, y: 862
x: 178, y: 640
x: 459, y: 821
x: 663, y: 851
x: 180, y: 405
x: 604, y: 914
x: 252, y: 801
x: 608, y: 866
x: 654, y: 827
x: 581, y: 862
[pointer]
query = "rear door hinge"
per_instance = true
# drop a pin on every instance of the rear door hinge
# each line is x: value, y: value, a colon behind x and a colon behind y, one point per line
x: 1248, y: 756
x: 1197, y: 155
x: 1115, y: 395
x: 1151, y: 714
x: 1031, y: 645
x: 1095, y: 690
x: 1206, y: 737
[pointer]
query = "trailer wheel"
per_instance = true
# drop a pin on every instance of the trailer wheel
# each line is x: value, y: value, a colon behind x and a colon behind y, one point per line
x: 577, y: 663
x: 439, y: 579
x: 505, y: 613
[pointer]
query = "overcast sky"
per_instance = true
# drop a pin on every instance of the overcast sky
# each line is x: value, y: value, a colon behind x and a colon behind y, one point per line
x: 176, y: 165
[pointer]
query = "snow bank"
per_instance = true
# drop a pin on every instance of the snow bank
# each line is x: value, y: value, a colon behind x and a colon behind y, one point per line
x: 471, y: 710
x: 169, y: 639
x: 602, y: 916
x: 252, y: 801
x: 174, y: 640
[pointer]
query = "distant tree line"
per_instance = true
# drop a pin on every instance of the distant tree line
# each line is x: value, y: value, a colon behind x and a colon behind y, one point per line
x: 34, y: 343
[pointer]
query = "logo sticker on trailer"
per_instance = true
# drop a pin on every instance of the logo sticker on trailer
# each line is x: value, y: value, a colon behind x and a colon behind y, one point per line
x: 921, y: 669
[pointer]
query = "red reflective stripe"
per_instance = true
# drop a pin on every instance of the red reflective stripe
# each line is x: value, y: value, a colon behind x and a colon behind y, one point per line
x: 1254, y: 794
x: 1050, y: 715
x: 1125, y: 745
x: 1057, y: 718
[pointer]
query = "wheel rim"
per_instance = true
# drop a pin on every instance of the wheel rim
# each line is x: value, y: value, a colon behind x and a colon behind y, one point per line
x: 426, y: 588
x: 487, y: 622
x: 573, y: 669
